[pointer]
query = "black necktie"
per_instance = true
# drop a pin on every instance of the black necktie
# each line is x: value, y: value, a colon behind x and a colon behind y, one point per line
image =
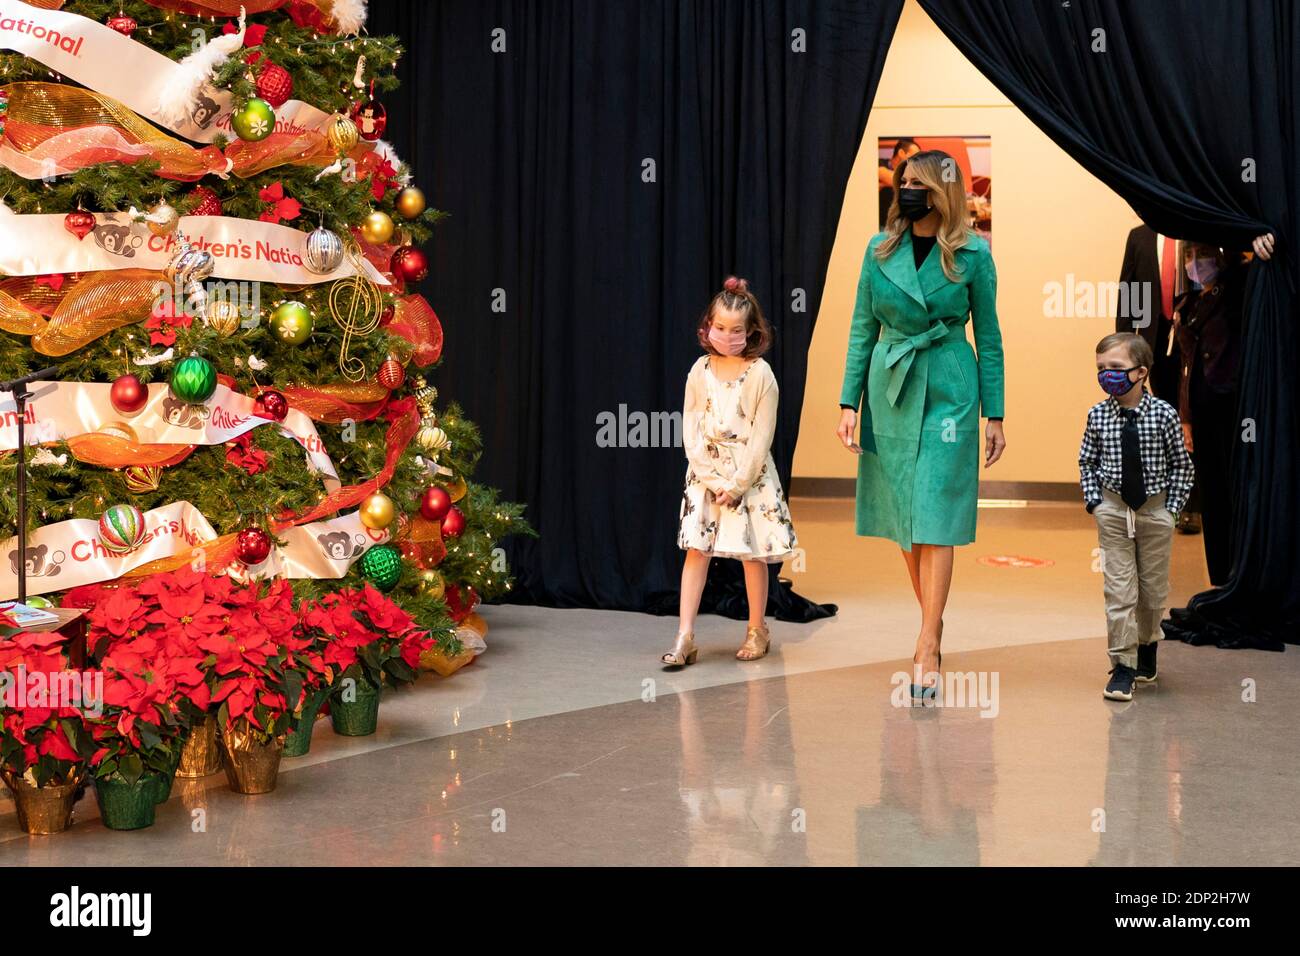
x: 1132, y: 486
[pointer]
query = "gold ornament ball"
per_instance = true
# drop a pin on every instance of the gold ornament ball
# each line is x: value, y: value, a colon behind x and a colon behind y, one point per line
x: 163, y: 219
x: 377, y: 511
x: 410, y: 202
x: 222, y: 316
x: 432, y: 584
x: 456, y: 488
x: 377, y: 228
x: 142, y: 478
x: 342, y: 133
x: 432, y: 439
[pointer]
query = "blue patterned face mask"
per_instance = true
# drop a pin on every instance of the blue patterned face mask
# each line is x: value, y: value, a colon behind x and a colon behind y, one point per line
x: 1115, y: 381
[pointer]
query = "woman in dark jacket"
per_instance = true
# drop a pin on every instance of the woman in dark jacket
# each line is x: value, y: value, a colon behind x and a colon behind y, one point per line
x: 1208, y: 332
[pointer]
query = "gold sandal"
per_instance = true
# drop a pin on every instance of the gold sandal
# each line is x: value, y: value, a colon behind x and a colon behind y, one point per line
x: 684, y: 651
x: 757, y: 641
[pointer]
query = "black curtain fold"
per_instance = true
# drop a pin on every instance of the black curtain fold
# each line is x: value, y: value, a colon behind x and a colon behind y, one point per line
x: 1188, y: 109
x: 569, y: 286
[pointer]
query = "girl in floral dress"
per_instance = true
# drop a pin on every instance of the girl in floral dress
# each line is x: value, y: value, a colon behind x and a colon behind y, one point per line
x: 732, y: 506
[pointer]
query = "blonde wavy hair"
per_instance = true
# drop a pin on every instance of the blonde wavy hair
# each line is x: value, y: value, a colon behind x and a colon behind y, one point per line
x: 940, y: 174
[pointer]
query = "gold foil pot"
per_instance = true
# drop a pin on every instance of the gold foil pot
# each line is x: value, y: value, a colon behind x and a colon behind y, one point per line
x: 200, y: 756
x: 436, y: 659
x: 251, y: 766
x: 43, y: 810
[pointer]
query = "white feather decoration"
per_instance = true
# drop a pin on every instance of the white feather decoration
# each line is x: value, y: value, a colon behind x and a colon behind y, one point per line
x: 349, y: 15
x: 178, y: 97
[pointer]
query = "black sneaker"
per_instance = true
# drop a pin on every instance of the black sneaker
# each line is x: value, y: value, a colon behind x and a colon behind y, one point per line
x: 1146, y: 671
x: 1121, y: 683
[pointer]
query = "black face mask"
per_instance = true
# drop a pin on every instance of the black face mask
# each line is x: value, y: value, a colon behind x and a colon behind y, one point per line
x: 914, y: 203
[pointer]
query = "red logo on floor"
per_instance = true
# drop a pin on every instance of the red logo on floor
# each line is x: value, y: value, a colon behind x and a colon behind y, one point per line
x: 1014, y: 561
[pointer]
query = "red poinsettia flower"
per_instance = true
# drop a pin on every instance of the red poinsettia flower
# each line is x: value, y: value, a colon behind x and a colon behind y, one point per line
x: 163, y: 322
x: 120, y: 612
x: 382, y: 174
x: 414, y: 644
x: 183, y: 610
x: 242, y: 453
x: 254, y: 33
x: 384, y: 614
x: 305, y: 14
x: 280, y: 206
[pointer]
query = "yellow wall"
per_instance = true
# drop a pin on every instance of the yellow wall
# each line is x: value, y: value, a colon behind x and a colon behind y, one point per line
x: 1050, y: 218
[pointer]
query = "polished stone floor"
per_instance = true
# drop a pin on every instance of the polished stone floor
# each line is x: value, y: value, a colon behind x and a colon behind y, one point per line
x: 565, y: 744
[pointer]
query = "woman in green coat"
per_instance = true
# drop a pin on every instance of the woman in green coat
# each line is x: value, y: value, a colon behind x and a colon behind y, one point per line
x: 924, y: 388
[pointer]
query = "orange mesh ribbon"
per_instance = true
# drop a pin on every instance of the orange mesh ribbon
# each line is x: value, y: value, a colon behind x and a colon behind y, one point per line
x: 230, y: 8
x: 422, y: 543
x: 336, y: 403
x: 217, y: 8
x: 24, y: 305
x: 379, y: 256
x: 415, y: 321
x: 404, y: 421
x: 113, y: 451
x: 95, y: 305
x: 55, y: 129
x: 217, y: 553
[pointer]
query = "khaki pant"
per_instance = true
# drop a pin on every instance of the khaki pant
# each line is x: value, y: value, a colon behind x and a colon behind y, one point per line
x: 1135, y: 548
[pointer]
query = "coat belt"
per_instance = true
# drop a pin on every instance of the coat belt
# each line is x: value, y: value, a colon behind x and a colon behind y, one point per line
x: 900, y: 351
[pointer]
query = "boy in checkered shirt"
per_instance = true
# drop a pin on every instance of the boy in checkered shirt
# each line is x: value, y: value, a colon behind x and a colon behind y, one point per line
x: 1136, y: 475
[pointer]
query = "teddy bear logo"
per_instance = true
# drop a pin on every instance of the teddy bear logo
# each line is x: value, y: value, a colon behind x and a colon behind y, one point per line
x: 205, y: 111
x: 340, y: 546
x: 41, y: 562
x: 183, y: 414
x: 117, y: 239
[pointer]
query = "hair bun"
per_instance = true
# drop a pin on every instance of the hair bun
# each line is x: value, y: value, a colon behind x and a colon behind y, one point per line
x: 735, y: 285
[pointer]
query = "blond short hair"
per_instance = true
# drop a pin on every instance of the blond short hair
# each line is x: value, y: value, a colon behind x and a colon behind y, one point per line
x: 1139, y: 351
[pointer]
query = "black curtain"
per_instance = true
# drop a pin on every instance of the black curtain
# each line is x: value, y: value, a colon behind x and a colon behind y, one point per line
x: 606, y: 165
x: 1189, y: 111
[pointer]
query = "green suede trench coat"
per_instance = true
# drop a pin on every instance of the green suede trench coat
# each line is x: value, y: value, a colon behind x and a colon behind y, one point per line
x: 918, y: 475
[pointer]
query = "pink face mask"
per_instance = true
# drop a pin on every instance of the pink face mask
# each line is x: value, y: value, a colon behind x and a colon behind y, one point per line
x: 727, y: 343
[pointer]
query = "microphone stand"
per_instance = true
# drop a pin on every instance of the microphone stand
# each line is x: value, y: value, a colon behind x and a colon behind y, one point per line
x: 19, y: 389
x: 21, y: 395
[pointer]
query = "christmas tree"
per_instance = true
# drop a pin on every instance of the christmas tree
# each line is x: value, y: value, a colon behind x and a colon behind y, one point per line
x: 204, y: 231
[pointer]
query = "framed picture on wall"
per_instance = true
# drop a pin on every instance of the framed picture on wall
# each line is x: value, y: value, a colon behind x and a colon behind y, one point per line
x: 974, y: 156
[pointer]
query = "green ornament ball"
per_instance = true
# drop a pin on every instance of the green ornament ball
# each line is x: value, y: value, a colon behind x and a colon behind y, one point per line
x: 194, y: 380
x: 291, y: 323
x: 256, y: 121
x: 382, y: 566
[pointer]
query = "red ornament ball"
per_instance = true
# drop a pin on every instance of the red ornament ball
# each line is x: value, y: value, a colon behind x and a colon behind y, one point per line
x: 79, y: 223
x: 128, y: 395
x: 408, y: 264
x: 252, y: 546
x: 391, y: 373
x: 274, y: 84
x: 435, y: 503
x: 370, y: 118
x: 122, y: 24
x: 271, y: 404
x: 453, y: 525
x: 206, y: 202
